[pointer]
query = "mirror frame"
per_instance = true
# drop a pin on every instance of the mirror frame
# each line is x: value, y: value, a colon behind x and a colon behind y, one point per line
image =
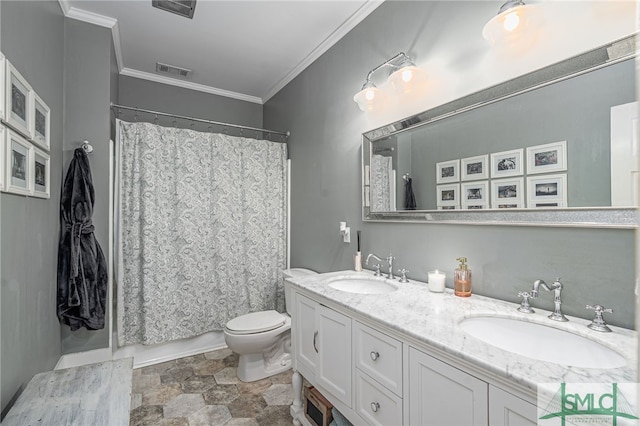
x: 596, y: 217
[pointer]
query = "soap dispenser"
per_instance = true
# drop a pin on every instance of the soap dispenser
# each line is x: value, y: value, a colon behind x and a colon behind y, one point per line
x: 462, y: 279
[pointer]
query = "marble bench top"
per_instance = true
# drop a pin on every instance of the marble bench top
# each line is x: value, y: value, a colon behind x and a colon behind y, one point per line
x: 95, y: 394
x: 433, y: 319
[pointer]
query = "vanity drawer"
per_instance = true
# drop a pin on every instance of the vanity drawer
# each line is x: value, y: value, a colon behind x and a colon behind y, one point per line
x: 379, y: 356
x: 375, y: 404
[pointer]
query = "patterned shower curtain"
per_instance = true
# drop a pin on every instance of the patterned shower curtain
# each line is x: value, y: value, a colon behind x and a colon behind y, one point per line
x: 382, y: 192
x: 202, y: 231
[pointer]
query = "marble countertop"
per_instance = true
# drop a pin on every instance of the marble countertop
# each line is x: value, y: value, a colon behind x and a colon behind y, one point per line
x: 433, y: 319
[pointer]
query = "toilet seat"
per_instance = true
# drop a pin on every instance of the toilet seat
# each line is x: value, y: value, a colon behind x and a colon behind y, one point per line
x: 256, y: 322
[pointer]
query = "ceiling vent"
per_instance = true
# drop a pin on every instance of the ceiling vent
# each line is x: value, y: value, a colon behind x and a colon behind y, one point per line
x: 174, y: 71
x: 184, y: 8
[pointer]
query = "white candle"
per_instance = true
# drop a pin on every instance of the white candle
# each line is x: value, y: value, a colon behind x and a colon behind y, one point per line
x: 436, y: 281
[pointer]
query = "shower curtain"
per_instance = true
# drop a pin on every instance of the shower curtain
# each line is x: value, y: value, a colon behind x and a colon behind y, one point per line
x: 202, y: 230
x: 382, y: 184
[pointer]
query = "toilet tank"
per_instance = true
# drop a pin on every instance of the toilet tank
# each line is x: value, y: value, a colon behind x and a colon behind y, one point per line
x: 293, y: 273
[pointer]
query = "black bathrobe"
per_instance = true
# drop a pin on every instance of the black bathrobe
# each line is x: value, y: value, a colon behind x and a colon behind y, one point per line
x: 82, y: 269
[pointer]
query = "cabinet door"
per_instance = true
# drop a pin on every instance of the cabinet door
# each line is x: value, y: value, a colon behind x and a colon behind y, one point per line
x: 509, y: 410
x: 306, y: 334
x: 334, y: 361
x: 441, y: 395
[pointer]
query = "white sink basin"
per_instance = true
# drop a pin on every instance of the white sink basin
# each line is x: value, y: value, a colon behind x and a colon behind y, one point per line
x: 362, y: 285
x: 543, y: 343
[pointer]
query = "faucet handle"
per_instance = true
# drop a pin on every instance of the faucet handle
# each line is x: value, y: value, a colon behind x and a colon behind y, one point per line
x: 525, y: 306
x: 377, y: 273
x: 403, y: 278
x: 598, y: 323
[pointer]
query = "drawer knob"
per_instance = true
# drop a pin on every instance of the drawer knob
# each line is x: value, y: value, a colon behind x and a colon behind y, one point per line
x: 374, y: 355
x: 375, y: 407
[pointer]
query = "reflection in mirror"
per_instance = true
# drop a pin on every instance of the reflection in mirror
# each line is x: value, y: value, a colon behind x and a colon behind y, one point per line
x: 559, y: 139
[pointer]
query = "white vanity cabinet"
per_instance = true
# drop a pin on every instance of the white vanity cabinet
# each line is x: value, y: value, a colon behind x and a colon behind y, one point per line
x: 323, y: 347
x: 509, y: 410
x: 442, y: 395
x: 377, y: 377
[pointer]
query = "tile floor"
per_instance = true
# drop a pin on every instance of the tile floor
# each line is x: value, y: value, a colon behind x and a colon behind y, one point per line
x: 204, y: 390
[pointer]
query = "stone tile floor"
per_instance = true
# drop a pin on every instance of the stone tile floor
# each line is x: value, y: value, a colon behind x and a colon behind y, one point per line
x: 204, y: 390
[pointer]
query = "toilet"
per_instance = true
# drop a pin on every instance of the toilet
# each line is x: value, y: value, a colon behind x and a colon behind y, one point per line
x: 263, y: 339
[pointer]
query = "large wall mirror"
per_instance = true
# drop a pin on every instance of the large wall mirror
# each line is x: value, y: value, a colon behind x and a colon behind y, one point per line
x: 557, y: 146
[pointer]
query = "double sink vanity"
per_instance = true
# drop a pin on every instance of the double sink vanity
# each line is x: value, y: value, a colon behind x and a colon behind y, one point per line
x: 390, y: 353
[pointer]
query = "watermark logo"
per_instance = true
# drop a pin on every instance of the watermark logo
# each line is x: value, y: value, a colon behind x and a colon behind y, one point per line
x: 588, y: 404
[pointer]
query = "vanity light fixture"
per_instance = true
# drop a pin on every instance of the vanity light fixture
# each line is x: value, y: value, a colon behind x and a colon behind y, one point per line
x: 405, y: 77
x: 512, y: 17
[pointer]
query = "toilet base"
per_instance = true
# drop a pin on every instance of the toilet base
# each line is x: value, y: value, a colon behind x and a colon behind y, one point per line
x: 252, y: 367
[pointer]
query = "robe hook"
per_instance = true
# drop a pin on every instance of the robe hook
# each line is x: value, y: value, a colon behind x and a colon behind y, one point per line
x: 86, y: 146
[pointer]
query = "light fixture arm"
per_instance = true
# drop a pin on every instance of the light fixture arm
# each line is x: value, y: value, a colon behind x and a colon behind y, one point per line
x: 389, y: 62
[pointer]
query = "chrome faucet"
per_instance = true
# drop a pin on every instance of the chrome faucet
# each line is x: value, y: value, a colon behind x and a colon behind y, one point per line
x: 388, y: 259
x: 556, y: 287
x: 366, y: 262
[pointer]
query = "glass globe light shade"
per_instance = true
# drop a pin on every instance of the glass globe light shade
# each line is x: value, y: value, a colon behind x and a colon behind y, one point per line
x: 369, y: 97
x: 508, y: 24
x: 408, y: 79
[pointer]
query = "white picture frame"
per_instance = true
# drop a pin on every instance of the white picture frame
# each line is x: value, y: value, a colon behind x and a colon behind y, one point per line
x: 3, y: 166
x: 547, y: 191
x: 551, y: 157
x: 18, y: 164
x: 41, y: 174
x: 507, y: 163
x: 474, y: 195
x: 448, y: 195
x: 3, y: 85
x: 474, y: 168
x: 41, y: 123
x: 448, y: 171
x: 18, y: 101
x: 507, y: 193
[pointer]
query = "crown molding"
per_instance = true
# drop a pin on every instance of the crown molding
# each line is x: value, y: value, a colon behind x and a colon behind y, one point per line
x: 117, y: 46
x: 189, y: 85
x: 91, y: 18
x: 333, y: 38
x: 111, y: 23
x: 64, y: 5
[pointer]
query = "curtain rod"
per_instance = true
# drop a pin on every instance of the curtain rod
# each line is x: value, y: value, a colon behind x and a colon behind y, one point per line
x: 218, y: 123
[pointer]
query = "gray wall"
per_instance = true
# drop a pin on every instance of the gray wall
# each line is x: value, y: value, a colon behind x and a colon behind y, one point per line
x: 154, y: 96
x: 88, y: 78
x: 32, y: 35
x: 577, y: 111
x: 597, y: 265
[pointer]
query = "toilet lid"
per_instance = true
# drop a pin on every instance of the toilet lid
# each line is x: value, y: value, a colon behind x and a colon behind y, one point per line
x: 256, y: 322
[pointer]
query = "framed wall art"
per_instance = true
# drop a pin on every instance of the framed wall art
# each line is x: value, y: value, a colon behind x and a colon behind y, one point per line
x: 547, y: 191
x: 551, y: 157
x: 448, y: 171
x: 474, y: 195
x: 507, y: 163
x: 41, y: 123
x: 474, y: 168
x: 18, y: 164
x: 41, y: 174
x: 507, y: 193
x: 3, y: 85
x: 3, y: 166
x: 448, y: 195
x: 18, y: 101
